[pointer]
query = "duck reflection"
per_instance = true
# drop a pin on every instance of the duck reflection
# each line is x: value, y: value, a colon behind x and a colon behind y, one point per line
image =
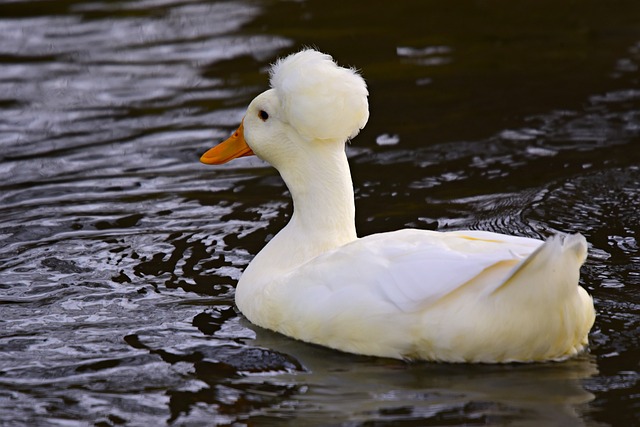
x: 345, y: 387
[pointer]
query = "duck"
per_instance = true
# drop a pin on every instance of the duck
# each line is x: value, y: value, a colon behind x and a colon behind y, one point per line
x: 467, y: 296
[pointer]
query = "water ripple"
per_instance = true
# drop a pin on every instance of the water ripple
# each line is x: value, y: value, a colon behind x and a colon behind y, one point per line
x: 119, y: 253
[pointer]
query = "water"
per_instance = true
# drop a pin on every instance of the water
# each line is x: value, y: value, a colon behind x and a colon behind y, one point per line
x: 119, y: 252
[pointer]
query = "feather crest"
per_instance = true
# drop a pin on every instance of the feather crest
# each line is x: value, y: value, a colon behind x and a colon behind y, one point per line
x: 320, y: 99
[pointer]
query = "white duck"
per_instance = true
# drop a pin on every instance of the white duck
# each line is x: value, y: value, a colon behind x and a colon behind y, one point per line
x: 463, y: 296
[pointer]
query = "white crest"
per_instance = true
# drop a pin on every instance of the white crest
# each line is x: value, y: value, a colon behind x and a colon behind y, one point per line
x: 319, y: 98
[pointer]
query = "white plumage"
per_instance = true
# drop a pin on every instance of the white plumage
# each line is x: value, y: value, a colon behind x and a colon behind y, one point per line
x: 323, y: 102
x: 470, y: 296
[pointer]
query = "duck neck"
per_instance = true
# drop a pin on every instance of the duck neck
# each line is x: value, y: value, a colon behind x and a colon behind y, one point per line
x: 323, y: 212
x: 323, y: 201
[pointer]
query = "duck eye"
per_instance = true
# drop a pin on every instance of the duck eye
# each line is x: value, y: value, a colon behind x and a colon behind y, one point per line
x: 263, y: 115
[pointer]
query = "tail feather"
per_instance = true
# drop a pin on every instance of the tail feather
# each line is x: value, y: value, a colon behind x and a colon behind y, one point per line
x: 560, y: 256
x: 577, y: 244
x: 545, y: 304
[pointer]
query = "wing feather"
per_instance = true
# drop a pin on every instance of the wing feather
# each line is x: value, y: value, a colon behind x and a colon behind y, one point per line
x: 409, y: 269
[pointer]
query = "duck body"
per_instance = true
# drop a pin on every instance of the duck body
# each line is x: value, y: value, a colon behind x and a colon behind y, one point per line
x: 462, y: 296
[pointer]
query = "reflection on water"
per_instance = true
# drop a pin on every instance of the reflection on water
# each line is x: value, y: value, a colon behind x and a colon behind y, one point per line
x: 349, y: 388
x: 119, y: 253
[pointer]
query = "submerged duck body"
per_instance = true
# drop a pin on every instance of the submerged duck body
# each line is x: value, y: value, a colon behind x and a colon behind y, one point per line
x: 463, y: 296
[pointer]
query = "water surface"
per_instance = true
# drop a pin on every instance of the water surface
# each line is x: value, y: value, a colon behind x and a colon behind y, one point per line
x: 119, y: 252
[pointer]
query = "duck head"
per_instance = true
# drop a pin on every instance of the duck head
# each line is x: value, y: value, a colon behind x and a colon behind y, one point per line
x: 313, y: 104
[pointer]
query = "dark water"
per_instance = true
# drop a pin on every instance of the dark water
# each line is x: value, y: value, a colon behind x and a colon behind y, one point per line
x: 119, y: 252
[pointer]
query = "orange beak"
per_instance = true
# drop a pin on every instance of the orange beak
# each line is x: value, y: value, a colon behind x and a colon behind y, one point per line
x: 235, y: 146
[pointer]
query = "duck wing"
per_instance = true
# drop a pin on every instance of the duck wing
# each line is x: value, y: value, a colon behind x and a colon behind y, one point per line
x: 411, y: 269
